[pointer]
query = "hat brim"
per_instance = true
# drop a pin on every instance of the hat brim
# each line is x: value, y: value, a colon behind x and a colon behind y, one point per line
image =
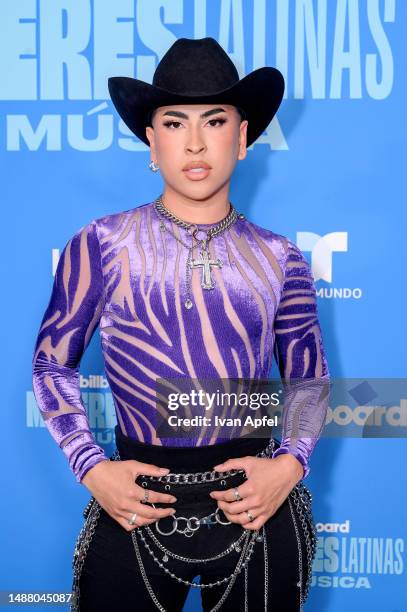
x: 259, y: 93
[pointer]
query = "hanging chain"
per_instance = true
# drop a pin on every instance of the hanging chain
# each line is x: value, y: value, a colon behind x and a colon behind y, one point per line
x: 302, y: 499
x: 205, y: 262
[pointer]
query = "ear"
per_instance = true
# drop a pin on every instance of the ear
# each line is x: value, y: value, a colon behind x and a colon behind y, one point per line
x: 150, y: 136
x: 243, y: 139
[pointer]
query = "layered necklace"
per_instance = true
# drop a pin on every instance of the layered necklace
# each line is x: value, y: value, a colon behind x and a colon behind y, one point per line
x: 205, y: 262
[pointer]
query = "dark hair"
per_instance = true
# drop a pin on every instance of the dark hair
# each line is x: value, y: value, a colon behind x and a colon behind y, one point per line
x: 150, y: 115
x: 149, y: 118
x: 241, y: 113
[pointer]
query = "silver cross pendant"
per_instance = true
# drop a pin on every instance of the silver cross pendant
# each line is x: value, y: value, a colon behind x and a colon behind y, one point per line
x: 206, y: 262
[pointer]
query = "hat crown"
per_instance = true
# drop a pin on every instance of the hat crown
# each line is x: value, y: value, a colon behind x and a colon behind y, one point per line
x: 195, y: 67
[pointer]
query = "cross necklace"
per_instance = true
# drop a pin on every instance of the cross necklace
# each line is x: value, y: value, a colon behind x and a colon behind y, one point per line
x: 205, y: 262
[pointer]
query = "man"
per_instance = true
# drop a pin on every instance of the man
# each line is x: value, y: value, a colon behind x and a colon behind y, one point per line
x: 164, y: 313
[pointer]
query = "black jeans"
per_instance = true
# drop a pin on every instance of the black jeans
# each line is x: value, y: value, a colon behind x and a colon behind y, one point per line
x: 111, y: 578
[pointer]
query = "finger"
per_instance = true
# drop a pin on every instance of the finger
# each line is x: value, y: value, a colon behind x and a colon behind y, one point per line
x: 235, y: 518
x: 243, y: 519
x: 237, y: 463
x: 148, y: 469
x: 153, y: 496
x: 239, y: 506
x: 146, y: 511
x: 140, y: 522
x: 256, y: 524
x: 245, y: 490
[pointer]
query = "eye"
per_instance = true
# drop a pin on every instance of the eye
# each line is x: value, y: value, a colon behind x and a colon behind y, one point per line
x: 169, y: 123
x: 174, y: 124
x: 221, y: 121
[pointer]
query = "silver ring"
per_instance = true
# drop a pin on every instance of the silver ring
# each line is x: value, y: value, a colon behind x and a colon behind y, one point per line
x: 238, y: 497
x: 250, y: 515
x: 218, y: 519
x: 189, y: 528
x: 145, y: 497
x: 132, y: 519
x: 174, y: 526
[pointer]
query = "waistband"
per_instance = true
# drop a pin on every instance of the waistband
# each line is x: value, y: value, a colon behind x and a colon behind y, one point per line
x: 187, y: 459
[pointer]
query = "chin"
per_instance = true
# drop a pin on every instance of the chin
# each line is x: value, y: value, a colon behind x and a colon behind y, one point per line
x: 196, y: 191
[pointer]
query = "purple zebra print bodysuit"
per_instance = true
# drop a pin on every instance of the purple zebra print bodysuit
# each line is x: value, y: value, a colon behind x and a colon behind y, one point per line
x: 125, y: 275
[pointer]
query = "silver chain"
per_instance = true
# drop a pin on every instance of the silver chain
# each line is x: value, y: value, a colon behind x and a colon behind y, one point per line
x: 266, y: 571
x: 169, y: 553
x: 193, y: 228
x: 297, y: 535
x: 91, y: 515
x: 190, y: 530
x: 302, y: 500
x: 247, y: 536
x: 198, y: 477
x: 247, y: 551
x: 246, y: 599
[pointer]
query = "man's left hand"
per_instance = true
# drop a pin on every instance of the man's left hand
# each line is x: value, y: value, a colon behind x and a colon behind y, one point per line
x: 269, y: 482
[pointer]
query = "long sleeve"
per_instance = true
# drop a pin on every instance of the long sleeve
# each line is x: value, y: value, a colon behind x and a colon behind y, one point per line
x: 66, y: 329
x: 301, y: 360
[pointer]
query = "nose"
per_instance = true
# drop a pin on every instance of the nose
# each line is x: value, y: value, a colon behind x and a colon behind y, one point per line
x: 195, y: 143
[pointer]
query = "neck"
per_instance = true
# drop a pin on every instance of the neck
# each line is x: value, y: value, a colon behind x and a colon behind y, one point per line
x: 199, y: 211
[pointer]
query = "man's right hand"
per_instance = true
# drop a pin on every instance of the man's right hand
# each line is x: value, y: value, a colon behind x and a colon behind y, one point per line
x: 112, y: 484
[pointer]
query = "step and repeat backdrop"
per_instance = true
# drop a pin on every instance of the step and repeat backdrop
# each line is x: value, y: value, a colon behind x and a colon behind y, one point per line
x: 329, y: 173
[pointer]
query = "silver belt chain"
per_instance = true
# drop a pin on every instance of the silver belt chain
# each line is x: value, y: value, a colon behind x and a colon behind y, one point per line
x: 198, y: 477
x: 300, y: 496
x: 193, y: 523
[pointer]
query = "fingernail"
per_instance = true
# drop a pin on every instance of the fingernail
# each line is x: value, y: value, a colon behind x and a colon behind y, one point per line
x: 164, y: 470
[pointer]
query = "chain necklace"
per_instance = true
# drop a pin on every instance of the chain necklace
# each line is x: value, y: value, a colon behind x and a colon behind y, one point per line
x: 205, y: 262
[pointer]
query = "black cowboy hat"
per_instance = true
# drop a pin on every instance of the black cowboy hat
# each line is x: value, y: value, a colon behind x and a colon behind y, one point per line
x: 195, y: 71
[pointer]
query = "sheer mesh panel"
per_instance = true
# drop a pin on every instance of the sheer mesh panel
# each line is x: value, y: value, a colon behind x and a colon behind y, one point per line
x: 66, y: 329
x: 301, y: 360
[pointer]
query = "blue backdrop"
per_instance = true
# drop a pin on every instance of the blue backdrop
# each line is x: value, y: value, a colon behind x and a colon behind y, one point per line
x: 329, y: 173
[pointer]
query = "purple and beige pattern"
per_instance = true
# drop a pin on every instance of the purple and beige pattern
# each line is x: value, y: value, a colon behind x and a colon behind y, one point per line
x: 122, y: 273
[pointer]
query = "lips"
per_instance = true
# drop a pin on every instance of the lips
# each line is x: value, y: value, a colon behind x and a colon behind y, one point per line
x: 196, y: 170
x: 196, y: 164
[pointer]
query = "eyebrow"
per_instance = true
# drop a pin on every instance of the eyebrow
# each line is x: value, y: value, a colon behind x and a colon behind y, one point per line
x: 212, y: 111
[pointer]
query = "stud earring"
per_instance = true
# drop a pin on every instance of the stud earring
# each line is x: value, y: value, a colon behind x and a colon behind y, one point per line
x: 153, y: 166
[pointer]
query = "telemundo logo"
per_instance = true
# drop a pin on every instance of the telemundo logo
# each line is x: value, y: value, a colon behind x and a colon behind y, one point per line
x: 322, y: 249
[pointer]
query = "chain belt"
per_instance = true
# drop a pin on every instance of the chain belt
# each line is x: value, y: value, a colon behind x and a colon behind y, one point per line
x: 198, y: 477
x: 193, y: 523
x: 300, y: 496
